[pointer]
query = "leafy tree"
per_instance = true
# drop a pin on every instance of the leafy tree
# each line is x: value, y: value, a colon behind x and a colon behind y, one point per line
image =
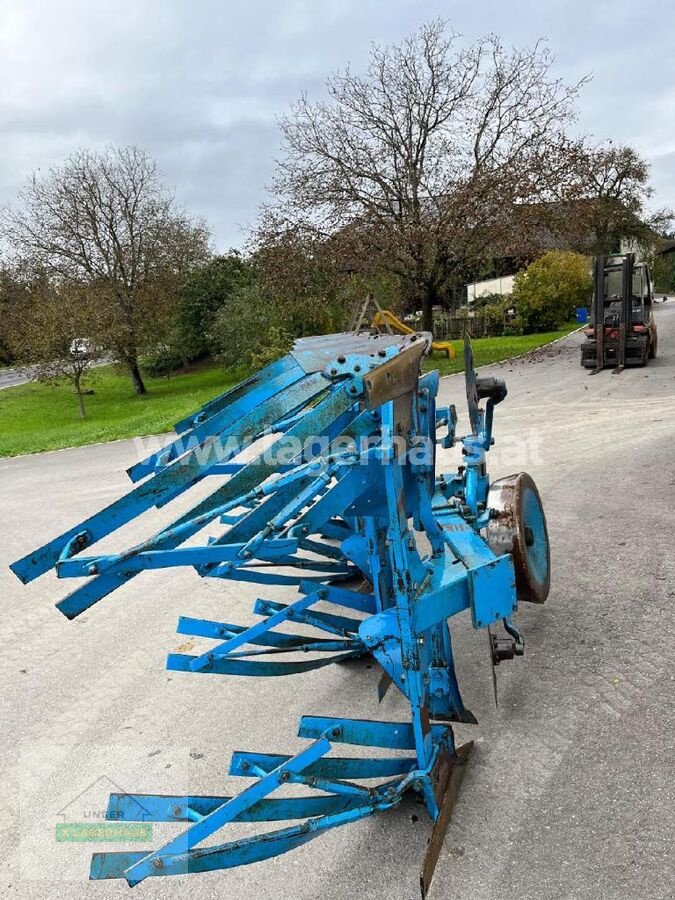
x: 250, y: 330
x: 547, y: 292
x: 310, y: 282
x: 10, y: 294
x: 207, y: 289
x: 49, y: 331
x: 106, y: 221
x: 663, y: 272
x: 610, y: 191
x: 416, y: 165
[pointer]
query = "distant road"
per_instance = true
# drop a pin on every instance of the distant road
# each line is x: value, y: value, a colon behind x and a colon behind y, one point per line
x: 14, y: 377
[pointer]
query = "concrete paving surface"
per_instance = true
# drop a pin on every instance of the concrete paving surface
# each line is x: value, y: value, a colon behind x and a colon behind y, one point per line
x: 571, y: 790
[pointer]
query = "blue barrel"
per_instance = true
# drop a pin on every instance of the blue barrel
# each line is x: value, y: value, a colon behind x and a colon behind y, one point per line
x: 582, y: 315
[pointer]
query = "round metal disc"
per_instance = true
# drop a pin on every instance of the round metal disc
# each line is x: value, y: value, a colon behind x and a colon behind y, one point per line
x: 518, y: 526
x: 471, y: 386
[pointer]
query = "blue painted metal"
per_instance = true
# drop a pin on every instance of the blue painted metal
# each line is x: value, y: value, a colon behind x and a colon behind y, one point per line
x: 345, y: 503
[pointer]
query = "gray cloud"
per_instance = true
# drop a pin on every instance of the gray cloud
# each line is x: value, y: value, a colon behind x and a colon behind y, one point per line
x: 199, y: 85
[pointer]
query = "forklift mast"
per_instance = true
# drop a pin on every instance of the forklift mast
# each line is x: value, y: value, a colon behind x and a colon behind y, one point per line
x: 625, y: 314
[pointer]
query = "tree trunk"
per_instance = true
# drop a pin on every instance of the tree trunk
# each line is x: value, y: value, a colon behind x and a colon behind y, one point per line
x: 429, y: 298
x: 80, y: 398
x: 136, y: 378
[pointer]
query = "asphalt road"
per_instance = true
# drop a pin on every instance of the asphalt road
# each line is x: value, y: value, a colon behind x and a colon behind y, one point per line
x: 10, y: 377
x: 571, y: 790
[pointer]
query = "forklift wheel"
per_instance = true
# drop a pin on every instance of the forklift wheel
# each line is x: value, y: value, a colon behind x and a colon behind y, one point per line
x: 653, y: 347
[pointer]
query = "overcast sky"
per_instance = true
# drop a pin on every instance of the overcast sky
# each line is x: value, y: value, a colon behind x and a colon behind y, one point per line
x: 199, y: 83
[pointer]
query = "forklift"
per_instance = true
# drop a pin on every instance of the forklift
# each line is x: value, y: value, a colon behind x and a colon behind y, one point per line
x: 622, y: 330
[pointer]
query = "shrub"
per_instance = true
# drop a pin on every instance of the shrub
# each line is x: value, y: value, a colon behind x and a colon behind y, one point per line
x: 494, y: 313
x: 250, y: 330
x: 161, y: 360
x: 663, y: 270
x: 547, y: 292
x: 206, y: 290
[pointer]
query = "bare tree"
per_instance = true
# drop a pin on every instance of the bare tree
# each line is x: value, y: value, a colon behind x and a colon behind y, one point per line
x: 48, y: 331
x: 419, y: 162
x: 106, y: 220
x: 610, y: 187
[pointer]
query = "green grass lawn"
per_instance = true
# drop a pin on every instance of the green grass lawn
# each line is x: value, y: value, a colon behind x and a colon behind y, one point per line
x: 35, y: 417
x: 495, y: 349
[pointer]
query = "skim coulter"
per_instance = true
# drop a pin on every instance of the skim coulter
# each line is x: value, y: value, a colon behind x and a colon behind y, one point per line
x: 328, y: 485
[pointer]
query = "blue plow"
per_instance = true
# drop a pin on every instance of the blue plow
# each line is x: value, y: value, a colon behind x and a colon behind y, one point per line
x: 331, y: 488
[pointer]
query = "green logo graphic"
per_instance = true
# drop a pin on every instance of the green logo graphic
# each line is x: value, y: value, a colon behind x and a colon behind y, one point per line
x: 88, y: 819
x: 103, y: 831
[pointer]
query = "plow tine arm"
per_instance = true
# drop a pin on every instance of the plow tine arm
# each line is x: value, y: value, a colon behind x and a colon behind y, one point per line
x: 341, y: 625
x: 349, y: 488
x: 215, y: 554
x: 318, y: 646
x: 232, y: 420
x: 218, y: 630
x: 225, y: 856
x: 252, y: 475
x: 215, y: 820
x: 360, y: 602
x: 340, y: 767
x: 367, y: 733
x: 179, y: 662
x: 255, y: 631
x: 157, y: 491
x: 253, y: 576
x: 209, y: 409
x: 177, y: 808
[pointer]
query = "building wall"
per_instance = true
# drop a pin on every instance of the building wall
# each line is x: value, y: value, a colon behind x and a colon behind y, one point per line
x: 477, y: 289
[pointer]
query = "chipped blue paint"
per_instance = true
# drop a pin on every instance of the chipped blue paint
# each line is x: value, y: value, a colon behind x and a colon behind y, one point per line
x: 342, y: 525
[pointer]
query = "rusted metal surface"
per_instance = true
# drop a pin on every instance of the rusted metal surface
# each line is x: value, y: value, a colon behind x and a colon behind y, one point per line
x: 362, y: 524
x: 398, y: 376
x: 448, y: 779
x: 509, y: 532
